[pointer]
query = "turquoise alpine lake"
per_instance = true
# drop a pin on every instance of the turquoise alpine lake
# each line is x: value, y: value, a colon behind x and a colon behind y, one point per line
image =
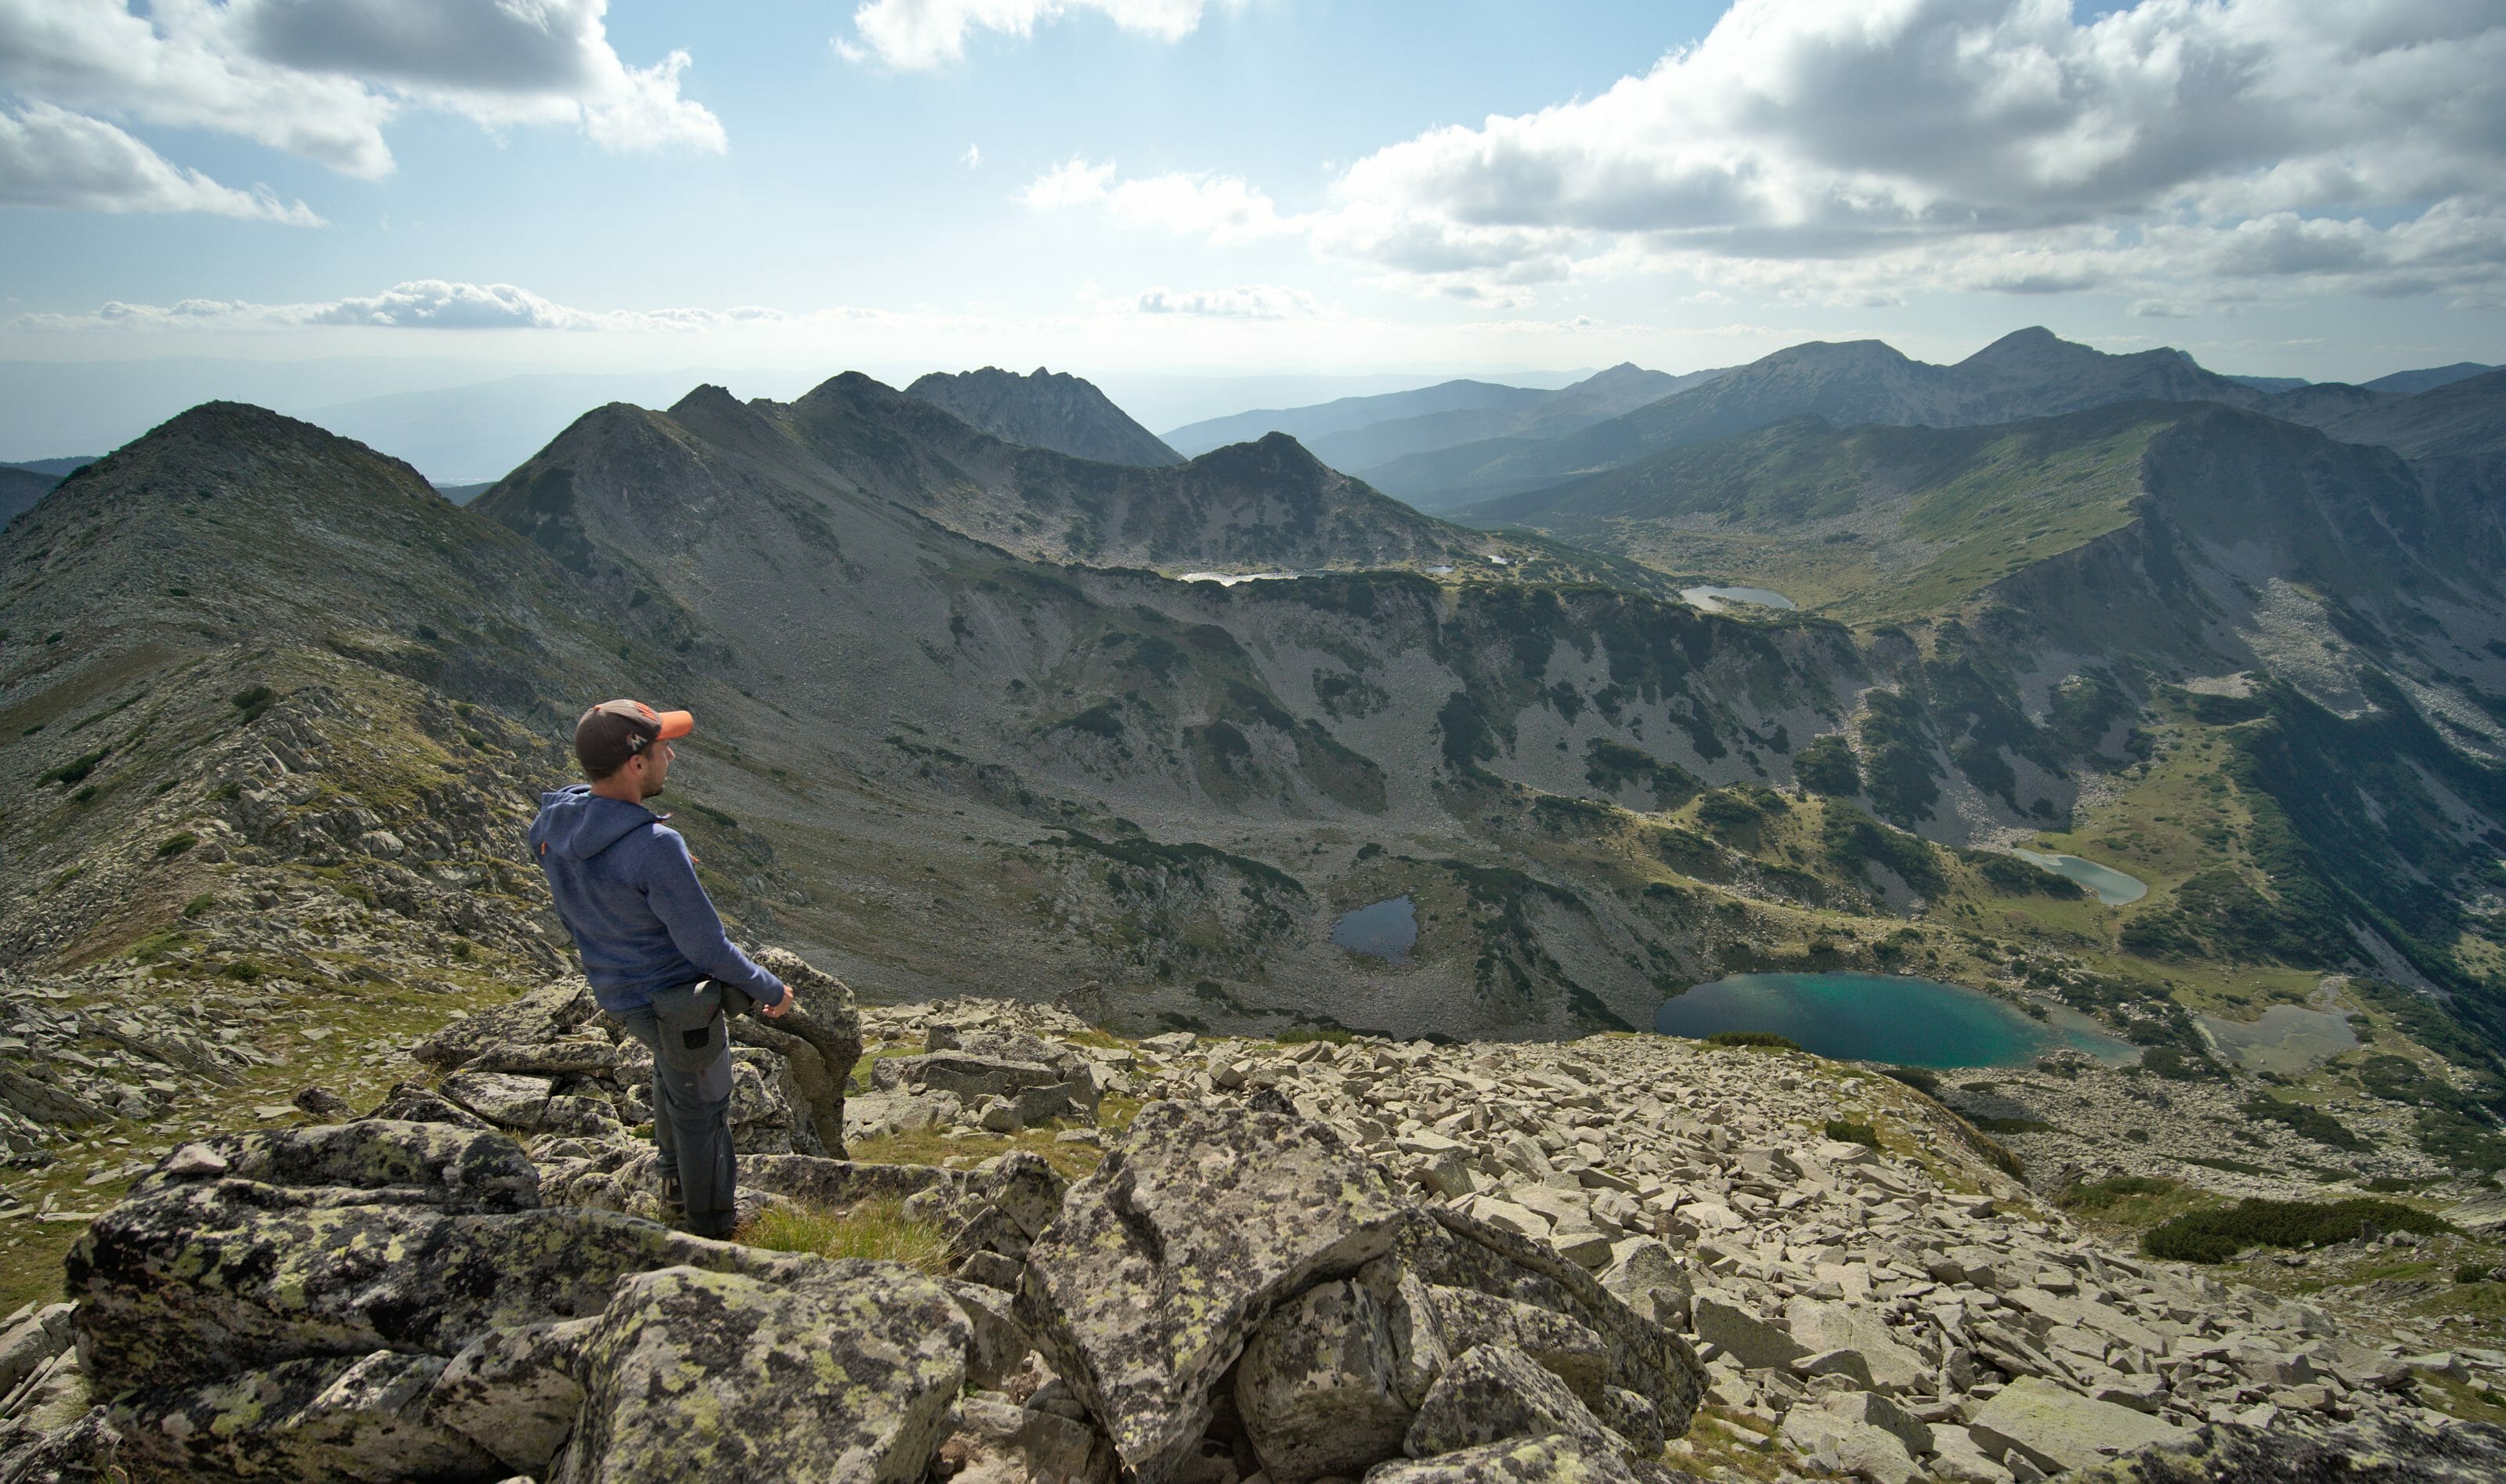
x: 1385, y: 931
x: 2112, y: 887
x: 1884, y: 1018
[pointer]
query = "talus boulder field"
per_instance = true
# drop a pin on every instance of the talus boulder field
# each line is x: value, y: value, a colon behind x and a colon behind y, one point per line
x: 1270, y: 1265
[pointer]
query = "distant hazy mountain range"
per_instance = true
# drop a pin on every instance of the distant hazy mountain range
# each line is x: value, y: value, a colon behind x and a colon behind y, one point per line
x: 22, y: 485
x: 1356, y: 434
x: 2027, y: 373
x: 1047, y: 409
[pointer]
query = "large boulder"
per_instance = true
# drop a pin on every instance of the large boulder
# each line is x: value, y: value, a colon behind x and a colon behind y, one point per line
x: 2057, y: 1429
x: 998, y: 1442
x: 207, y: 1279
x: 1445, y: 1248
x: 541, y: 1016
x: 1166, y: 1259
x: 1039, y: 1090
x: 1491, y: 1392
x: 837, y: 1370
x: 2380, y: 1451
x: 433, y: 1164
x: 1559, y: 1459
x: 1858, y: 1433
x: 513, y: 1392
x: 1823, y: 1325
x: 1318, y: 1388
x: 1755, y: 1342
x: 329, y: 1416
x: 826, y: 1017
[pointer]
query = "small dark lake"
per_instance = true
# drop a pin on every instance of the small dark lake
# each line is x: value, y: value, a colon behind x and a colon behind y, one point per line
x: 1385, y: 931
x: 1883, y: 1018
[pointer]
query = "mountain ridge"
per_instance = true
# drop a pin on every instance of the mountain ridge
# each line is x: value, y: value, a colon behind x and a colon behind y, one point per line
x: 2028, y: 372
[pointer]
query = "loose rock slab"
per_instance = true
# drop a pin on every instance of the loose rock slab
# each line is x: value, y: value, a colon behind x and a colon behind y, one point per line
x: 1493, y: 1393
x: 2058, y: 1430
x: 1558, y: 1460
x: 1166, y: 1259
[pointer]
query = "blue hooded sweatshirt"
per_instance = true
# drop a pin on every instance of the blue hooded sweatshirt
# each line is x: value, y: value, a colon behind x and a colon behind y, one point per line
x: 627, y: 888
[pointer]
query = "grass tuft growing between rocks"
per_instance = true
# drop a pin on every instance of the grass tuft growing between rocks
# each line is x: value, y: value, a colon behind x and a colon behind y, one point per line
x: 876, y: 1229
x: 2220, y: 1233
x: 964, y: 1151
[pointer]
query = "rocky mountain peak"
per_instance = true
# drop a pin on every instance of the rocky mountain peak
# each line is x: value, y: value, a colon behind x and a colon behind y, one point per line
x: 705, y: 398
x: 1272, y: 455
x: 1045, y: 409
x: 2028, y: 347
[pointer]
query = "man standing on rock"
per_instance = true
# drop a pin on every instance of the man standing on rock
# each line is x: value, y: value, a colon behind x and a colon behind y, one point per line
x: 653, y: 945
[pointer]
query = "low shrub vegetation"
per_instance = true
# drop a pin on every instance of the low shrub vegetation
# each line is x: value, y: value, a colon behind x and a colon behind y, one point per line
x: 1843, y: 1131
x: 2306, y: 1120
x: 1762, y: 1040
x: 2221, y: 1232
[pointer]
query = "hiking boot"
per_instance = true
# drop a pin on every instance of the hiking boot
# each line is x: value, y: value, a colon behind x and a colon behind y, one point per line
x: 673, y: 1202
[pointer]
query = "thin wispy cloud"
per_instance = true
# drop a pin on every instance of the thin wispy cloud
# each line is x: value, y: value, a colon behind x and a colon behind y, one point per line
x: 1245, y: 301
x: 427, y: 304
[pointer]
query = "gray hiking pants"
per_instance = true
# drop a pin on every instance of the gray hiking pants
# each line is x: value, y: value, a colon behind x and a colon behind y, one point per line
x: 692, y: 1128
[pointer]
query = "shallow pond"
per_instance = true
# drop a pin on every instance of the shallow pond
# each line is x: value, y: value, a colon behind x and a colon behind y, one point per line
x: 2112, y: 887
x: 2286, y: 1040
x: 1884, y: 1018
x: 1718, y: 600
x: 1385, y: 931
x: 1230, y: 579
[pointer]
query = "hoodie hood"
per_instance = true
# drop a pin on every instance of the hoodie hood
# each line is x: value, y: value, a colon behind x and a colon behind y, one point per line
x: 576, y: 824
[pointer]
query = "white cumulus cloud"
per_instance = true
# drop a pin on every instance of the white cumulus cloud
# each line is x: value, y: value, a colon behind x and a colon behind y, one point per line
x: 50, y: 156
x: 1852, y: 152
x: 912, y: 35
x: 1218, y: 208
x: 2001, y: 141
x: 320, y: 79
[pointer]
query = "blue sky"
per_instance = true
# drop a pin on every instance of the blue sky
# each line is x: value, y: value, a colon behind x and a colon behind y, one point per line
x: 1203, y: 187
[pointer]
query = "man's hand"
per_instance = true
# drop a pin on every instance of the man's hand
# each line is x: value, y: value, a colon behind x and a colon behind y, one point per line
x: 777, y: 1009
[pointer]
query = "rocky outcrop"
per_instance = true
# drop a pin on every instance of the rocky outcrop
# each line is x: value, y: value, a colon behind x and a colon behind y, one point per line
x: 1256, y: 1233
x: 387, y: 1300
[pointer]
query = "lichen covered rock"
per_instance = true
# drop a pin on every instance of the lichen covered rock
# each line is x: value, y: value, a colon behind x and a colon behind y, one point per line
x: 329, y: 1416
x: 1493, y: 1393
x: 835, y: 1370
x: 1186, y: 1237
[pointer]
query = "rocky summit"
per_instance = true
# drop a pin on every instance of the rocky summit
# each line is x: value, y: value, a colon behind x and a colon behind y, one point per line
x: 983, y: 1239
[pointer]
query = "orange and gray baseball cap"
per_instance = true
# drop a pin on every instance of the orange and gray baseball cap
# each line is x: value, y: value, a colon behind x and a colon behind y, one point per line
x: 614, y: 731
